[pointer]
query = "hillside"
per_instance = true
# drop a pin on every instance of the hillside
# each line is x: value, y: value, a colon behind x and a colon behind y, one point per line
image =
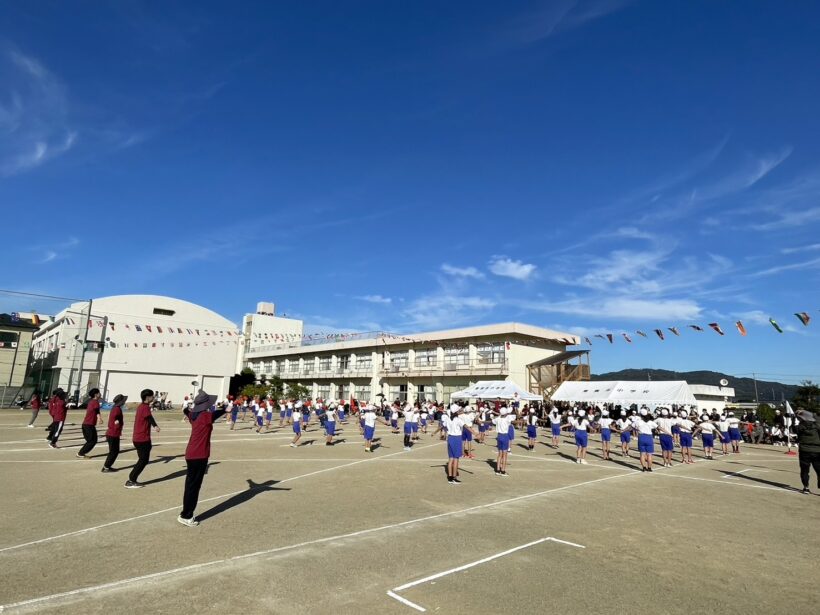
x: 744, y: 387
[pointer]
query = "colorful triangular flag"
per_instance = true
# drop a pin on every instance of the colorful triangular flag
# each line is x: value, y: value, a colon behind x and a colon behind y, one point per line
x: 696, y: 327
x: 740, y: 328
x: 775, y: 325
x: 627, y: 338
x: 674, y: 330
x: 717, y: 328
x: 659, y: 333
x: 609, y: 337
x: 804, y: 318
x: 641, y: 333
x: 588, y: 341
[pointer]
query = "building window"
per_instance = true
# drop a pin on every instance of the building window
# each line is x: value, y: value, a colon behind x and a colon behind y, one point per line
x: 364, y: 362
x: 398, y: 392
x: 343, y: 391
x: 427, y: 357
x: 162, y: 312
x: 398, y: 360
x: 427, y: 392
x: 266, y: 368
x: 324, y: 364
x: 491, y: 352
x: 308, y: 365
x: 293, y: 366
x: 344, y: 362
x: 456, y: 356
x: 362, y: 392
x: 323, y: 392
x: 274, y: 368
x: 449, y: 389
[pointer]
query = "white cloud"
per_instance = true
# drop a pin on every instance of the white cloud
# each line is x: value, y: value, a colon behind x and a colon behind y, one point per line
x: 789, y: 218
x: 464, y: 272
x: 808, y: 248
x: 809, y: 264
x: 621, y: 308
x: 34, y: 123
x: 375, y: 299
x: 442, y: 311
x: 508, y: 268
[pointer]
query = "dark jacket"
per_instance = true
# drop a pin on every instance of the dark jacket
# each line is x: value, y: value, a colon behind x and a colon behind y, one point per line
x: 808, y: 436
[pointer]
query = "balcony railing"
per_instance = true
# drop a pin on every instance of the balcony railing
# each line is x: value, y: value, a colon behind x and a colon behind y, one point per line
x: 478, y: 366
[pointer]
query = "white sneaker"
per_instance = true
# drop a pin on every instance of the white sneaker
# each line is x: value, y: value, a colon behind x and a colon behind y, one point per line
x: 292, y: 445
x: 577, y: 461
x: 189, y: 522
x: 584, y: 462
x: 30, y: 426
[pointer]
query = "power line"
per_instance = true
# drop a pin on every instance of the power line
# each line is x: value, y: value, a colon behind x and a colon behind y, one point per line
x: 20, y: 293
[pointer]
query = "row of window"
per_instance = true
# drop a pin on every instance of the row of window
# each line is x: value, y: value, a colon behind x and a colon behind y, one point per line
x: 428, y: 357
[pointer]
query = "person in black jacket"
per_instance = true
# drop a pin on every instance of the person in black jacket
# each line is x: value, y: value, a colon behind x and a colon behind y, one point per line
x: 808, y: 442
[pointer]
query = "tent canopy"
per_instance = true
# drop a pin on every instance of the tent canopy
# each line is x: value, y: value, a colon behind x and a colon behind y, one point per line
x: 495, y: 389
x: 625, y: 392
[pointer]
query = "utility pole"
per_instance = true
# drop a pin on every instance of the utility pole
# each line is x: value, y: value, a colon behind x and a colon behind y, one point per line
x: 754, y: 376
x: 82, y: 354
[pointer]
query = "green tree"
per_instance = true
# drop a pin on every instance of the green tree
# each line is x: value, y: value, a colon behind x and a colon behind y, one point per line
x: 765, y: 413
x: 807, y: 396
x: 276, y: 387
x: 241, y: 380
x: 254, y: 390
x: 298, y: 391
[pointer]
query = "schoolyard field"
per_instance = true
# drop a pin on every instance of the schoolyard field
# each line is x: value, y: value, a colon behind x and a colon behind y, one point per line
x: 332, y: 529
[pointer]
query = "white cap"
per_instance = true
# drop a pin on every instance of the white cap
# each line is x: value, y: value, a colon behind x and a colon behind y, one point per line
x: 532, y: 410
x: 664, y: 412
x: 582, y: 412
x: 605, y: 413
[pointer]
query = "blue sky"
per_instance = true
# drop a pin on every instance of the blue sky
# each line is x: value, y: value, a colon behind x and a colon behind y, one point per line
x: 599, y: 166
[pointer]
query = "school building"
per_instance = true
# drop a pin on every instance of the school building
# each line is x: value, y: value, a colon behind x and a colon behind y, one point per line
x: 420, y: 366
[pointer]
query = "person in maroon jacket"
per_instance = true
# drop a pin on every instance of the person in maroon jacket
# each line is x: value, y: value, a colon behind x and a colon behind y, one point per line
x: 143, y: 422
x: 92, y: 417
x: 58, y: 414
x: 36, y: 404
x: 51, y: 412
x: 202, y: 419
x: 113, y: 433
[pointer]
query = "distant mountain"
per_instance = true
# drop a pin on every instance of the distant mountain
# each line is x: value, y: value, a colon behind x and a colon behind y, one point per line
x: 744, y: 387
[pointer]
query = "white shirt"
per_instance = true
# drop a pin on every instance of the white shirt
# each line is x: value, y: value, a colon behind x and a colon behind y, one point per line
x: 665, y: 425
x: 723, y: 425
x: 580, y: 424
x: 734, y: 422
x: 532, y: 419
x: 331, y: 415
x: 605, y: 422
x: 455, y: 426
x: 686, y: 425
x: 645, y: 427
x: 297, y: 416
x: 624, y: 424
x: 369, y: 418
x: 707, y: 427
x: 502, y: 423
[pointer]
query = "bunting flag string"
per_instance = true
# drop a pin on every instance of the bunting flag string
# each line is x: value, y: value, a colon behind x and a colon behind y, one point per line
x: 775, y: 325
x: 741, y: 328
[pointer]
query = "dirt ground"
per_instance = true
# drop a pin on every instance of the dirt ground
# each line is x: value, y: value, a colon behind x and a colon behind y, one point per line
x: 321, y: 529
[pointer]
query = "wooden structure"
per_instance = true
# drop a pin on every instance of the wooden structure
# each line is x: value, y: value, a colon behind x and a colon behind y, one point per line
x: 544, y: 376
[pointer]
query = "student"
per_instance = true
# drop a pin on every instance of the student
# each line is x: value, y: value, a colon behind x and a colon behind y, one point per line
x: 201, y: 417
x: 675, y: 428
x: 467, y: 432
x: 581, y: 426
x: 606, y: 434
x: 455, y: 427
x: 666, y: 437
x: 143, y: 422
x: 234, y: 410
x: 723, y: 433
x: 425, y: 414
x: 297, y: 427
x: 686, y: 425
x: 330, y: 425
x: 114, y: 432
x: 394, y: 418
x: 532, y: 428
x: 734, y: 432
x: 36, y: 403
x: 369, y: 417
x: 624, y: 427
x: 555, y: 427
x: 409, y: 411
x: 342, y: 414
x: 268, y: 413
x: 645, y: 427
x: 502, y: 439
x: 282, y: 411
x: 414, y: 421
x: 707, y: 431
x: 92, y: 418
x: 808, y: 445
x: 58, y: 414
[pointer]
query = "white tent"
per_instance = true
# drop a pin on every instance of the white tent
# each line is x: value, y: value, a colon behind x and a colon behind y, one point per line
x: 495, y: 389
x: 625, y: 392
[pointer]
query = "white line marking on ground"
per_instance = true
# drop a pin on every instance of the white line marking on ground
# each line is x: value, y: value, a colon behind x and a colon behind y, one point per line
x: 739, y: 472
x: 211, y: 499
x: 721, y: 482
x: 300, y: 545
x: 392, y: 593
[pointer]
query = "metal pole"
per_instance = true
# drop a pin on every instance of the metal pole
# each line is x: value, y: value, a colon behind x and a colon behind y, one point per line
x: 14, y: 360
x: 82, y: 353
x: 754, y: 377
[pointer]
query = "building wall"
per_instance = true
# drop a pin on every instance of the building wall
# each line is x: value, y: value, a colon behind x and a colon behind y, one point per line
x: 14, y: 355
x: 260, y: 331
x: 130, y: 347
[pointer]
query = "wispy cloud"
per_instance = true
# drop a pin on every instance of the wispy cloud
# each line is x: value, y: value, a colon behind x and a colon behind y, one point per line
x: 789, y: 218
x: 375, y: 299
x: 621, y: 308
x: 54, y: 251
x: 442, y: 311
x: 464, y: 272
x: 508, y: 268
x: 34, y: 122
x: 807, y: 248
x: 554, y: 17
x: 809, y: 264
